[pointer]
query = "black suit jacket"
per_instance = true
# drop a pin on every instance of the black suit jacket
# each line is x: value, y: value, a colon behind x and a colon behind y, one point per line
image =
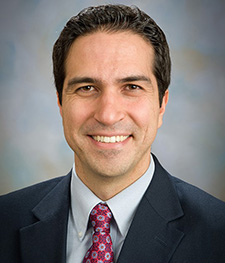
x: 175, y: 222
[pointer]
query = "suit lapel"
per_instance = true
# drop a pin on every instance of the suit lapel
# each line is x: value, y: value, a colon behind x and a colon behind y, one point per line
x: 153, y: 235
x: 45, y: 240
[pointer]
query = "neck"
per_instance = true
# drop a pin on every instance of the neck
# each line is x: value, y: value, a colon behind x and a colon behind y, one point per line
x: 104, y: 186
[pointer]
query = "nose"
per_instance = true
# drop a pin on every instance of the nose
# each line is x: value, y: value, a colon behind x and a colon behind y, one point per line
x: 109, y: 108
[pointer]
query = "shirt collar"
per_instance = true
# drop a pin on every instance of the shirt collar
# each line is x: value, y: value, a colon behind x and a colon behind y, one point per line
x: 123, y: 205
x: 82, y: 202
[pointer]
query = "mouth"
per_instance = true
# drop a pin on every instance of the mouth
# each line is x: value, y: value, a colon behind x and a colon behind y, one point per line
x: 110, y: 139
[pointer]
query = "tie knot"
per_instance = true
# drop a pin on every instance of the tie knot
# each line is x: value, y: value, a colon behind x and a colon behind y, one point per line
x: 100, y: 218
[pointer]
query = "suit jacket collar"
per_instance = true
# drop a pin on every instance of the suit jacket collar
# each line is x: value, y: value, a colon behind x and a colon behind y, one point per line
x: 45, y: 240
x: 153, y: 235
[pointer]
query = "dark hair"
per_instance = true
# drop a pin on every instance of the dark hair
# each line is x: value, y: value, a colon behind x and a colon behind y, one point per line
x: 113, y: 18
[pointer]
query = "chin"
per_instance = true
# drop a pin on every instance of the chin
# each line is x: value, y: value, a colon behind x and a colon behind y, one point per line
x: 110, y: 170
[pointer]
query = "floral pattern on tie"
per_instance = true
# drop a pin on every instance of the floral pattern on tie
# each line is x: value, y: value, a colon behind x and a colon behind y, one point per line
x: 101, y: 250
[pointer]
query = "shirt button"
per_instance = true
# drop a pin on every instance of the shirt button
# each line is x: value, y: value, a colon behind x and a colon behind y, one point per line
x: 80, y: 234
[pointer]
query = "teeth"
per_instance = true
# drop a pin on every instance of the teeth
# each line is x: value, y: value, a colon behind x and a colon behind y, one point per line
x: 111, y: 139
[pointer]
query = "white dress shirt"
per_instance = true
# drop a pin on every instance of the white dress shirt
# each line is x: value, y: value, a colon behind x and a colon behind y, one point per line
x: 122, y: 206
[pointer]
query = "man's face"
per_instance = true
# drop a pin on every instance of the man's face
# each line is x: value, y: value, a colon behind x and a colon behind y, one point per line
x: 110, y: 105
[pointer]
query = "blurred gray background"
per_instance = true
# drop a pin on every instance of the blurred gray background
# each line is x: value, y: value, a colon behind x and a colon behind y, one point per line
x: 191, y: 143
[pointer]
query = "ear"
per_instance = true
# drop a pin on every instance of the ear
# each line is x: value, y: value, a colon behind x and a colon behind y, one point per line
x: 58, y: 102
x: 163, y: 107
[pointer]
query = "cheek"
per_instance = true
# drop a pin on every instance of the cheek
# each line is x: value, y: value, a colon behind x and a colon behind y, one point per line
x: 74, y: 115
x: 145, y: 114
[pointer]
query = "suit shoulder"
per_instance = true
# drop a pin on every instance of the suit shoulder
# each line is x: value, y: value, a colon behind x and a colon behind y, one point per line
x: 26, y: 198
x: 194, y: 199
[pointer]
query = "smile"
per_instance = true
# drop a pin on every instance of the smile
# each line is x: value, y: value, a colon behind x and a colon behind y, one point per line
x: 112, y: 139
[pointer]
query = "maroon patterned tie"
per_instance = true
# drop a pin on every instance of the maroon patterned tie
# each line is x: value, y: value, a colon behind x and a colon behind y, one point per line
x: 101, y: 250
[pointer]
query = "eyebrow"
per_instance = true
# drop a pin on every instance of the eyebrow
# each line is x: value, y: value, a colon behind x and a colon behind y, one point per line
x: 132, y: 78
x: 79, y: 80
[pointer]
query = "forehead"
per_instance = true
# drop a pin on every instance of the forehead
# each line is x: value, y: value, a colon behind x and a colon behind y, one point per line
x: 110, y: 53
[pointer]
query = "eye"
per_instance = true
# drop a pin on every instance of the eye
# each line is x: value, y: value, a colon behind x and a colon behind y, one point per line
x: 87, y: 88
x: 86, y: 91
x: 133, y: 87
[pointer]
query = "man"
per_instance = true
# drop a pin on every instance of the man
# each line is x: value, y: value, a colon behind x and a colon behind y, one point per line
x: 112, y: 72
